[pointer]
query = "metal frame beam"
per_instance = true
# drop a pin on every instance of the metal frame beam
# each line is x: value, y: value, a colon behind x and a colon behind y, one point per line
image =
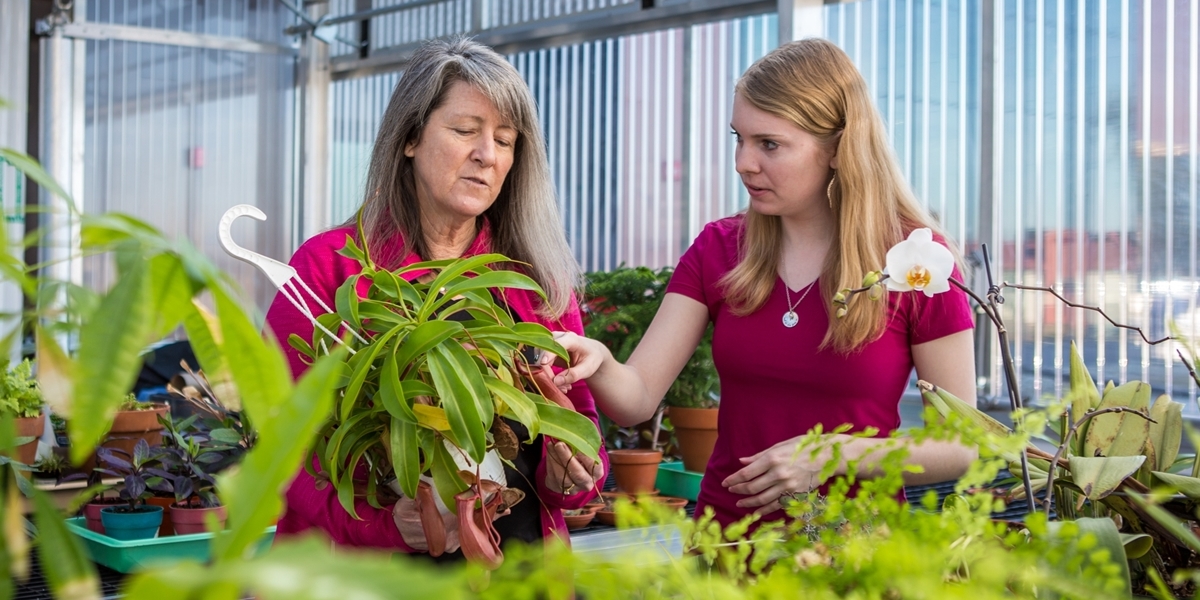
x: 571, y: 29
x: 127, y: 33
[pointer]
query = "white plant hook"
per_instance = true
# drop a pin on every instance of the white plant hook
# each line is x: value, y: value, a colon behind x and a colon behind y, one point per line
x: 282, y: 276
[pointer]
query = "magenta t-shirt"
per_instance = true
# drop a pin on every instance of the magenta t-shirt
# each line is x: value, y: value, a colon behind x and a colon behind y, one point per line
x: 776, y: 384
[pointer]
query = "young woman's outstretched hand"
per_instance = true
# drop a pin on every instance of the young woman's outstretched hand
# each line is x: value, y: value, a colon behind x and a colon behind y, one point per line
x: 587, y: 356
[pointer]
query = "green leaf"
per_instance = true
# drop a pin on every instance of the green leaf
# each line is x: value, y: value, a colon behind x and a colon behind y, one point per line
x: 1082, y: 395
x: 405, y: 455
x: 1099, y: 476
x: 1136, y: 544
x: 1107, y: 537
x: 201, y: 327
x: 423, y: 338
x: 578, y: 431
x: 225, y: 436
x: 362, y: 364
x: 253, y: 494
x: 1188, y: 486
x: 170, y: 293
x: 494, y: 279
x: 452, y: 271
x: 462, y: 392
x: 109, y: 359
x: 1120, y: 434
x: 346, y: 302
x: 30, y: 167
x: 521, y: 407
x: 255, y: 361
x: 1169, y: 522
x: 305, y: 568
x: 1166, y: 432
x: 68, y: 569
x: 391, y: 392
x: 443, y: 468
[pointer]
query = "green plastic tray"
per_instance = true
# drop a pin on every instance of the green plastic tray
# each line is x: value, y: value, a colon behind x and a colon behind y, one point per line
x: 128, y: 556
x: 674, y: 480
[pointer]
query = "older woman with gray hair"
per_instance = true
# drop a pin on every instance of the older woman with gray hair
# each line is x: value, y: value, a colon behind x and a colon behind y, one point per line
x: 459, y: 169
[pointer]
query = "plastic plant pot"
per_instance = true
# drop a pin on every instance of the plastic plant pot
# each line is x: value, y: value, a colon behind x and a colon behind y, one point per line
x: 138, y: 524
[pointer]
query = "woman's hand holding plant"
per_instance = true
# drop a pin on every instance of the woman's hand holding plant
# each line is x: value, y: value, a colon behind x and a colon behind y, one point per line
x: 778, y: 471
x: 570, y: 473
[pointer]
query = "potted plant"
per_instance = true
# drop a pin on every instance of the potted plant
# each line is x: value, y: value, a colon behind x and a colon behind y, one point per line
x: 136, y: 421
x: 618, y: 309
x: 419, y: 405
x: 1115, y: 444
x: 133, y: 519
x: 21, y: 398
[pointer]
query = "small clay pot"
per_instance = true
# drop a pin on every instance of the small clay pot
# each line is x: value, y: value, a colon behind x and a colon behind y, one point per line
x: 696, y: 430
x: 28, y: 427
x: 195, y: 520
x: 635, y: 469
x: 582, y: 519
x: 167, y: 528
x: 91, y: 513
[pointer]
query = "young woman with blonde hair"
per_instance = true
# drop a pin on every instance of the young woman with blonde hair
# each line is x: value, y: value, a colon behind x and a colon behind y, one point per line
x: 827, y: 200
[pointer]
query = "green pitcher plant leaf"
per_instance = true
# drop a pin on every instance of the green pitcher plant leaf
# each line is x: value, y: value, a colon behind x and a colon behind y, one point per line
x: 108, y: 359
x: 423, y: 338
x: 1136, y: 544
x: 463, y: 393
x: 518, y: 404
x: 406, y: 459
x: 360, y: 364
x: 578, y: 431
x: 391, y: 392
x: 443, y: 468
x: 345, y: 302
x: 494, y: 279
x: 1099, y: 476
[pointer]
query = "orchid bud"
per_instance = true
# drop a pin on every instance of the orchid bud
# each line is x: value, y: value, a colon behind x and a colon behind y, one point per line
x: 871, y: 279
x: 876, y: 292
x: 842, y: 312
x: 840, y: 297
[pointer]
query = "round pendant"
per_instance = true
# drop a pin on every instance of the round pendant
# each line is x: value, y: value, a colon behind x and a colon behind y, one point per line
x: 790, y: 319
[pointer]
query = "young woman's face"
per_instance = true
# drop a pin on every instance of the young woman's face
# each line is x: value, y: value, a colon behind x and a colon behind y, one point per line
x: 463, y: 156
x: 785, y: 168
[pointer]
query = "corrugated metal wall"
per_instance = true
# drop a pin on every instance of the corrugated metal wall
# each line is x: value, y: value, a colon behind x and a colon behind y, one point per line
x: 1094, y: 163
x: 177, y: 135
x: 636, y: 129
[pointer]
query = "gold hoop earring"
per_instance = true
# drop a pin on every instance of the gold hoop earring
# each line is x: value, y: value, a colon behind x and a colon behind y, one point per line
x: 829, y: 190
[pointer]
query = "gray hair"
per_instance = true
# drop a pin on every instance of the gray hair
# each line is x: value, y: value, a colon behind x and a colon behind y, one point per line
x: 525, y: 221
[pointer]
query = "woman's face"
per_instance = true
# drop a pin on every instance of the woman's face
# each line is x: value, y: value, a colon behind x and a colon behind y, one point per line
x: 785, y: 168
x: 462, y: 157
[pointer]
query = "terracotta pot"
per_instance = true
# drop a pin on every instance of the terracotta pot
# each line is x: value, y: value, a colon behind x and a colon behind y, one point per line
x: 195, y: 520
x: 166, y: 528
x: 576, y: 521
x: 635, y: 469
x: 91, y: 512
x: 696, y: 430
x: 28, y: 426
x: 129, y: 426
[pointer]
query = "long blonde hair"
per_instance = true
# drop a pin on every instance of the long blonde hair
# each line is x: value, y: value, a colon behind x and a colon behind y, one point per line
x: 813, y: 84
x: 525, y: 222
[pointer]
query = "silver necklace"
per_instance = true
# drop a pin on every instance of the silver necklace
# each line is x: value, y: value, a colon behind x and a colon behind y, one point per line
x: 789, y: 318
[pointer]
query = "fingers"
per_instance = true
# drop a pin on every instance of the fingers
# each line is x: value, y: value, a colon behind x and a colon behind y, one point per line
x: 570, y: 473
x: 586, y: 357
x: 764, y: 499
x: 747, y: 473
x: 770, y: 508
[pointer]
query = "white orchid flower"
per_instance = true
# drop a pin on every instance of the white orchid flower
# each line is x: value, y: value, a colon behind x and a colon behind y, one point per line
x: 920, y: 264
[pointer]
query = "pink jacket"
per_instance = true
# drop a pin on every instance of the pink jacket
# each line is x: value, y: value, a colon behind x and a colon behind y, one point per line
x: 324, y: 270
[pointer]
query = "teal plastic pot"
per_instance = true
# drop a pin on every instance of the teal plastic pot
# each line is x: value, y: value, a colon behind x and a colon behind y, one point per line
x: 139, y: 524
